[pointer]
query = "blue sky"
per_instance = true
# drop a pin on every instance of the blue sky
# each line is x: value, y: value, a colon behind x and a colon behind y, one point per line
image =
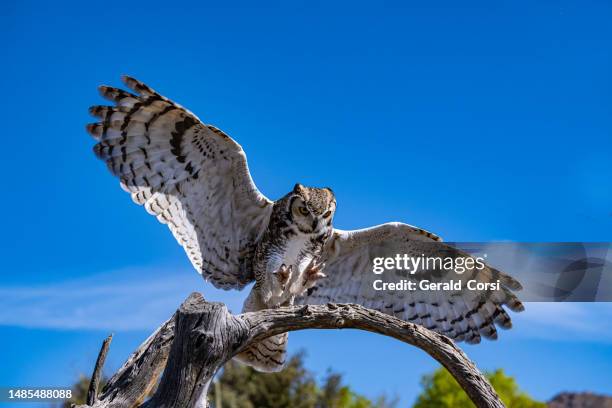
x: 485, y: 121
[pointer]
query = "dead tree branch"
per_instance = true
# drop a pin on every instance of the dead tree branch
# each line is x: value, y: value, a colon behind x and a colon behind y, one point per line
x: 202, y: 336
x: 92, y: 392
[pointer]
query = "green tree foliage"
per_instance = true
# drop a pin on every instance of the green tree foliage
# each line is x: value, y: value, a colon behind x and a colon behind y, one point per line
x: 293, y: 387
x: 441, y: 390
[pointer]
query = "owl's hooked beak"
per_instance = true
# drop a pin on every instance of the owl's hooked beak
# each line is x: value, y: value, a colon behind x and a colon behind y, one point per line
x: 315, y: 222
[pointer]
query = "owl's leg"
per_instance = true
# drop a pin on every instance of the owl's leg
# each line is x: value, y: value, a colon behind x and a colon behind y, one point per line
x: 313, y: 273
x: 283, y: 274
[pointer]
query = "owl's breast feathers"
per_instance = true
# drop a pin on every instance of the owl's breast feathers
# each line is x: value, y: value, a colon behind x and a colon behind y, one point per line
x: 283, y: 244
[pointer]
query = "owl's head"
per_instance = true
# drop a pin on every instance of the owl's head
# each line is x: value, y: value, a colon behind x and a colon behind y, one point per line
x: 311, y: 209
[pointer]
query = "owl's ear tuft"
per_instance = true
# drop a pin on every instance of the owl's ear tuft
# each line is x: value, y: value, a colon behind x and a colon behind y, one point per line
x: 298, y: 188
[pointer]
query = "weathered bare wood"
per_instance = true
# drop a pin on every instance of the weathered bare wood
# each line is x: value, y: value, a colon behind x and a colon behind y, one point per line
x: 206, y: 336
x: 92, y: 392
x: 138, y: 375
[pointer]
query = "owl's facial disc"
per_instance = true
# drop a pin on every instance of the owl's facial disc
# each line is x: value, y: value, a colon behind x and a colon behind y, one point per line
x: 312, y: 209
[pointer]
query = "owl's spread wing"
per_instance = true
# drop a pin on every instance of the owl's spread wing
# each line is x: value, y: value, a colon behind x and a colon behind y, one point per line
x: 191, y: 176
x: 463, y: 315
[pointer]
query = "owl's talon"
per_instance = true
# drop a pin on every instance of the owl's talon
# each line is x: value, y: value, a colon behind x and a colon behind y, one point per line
x: 313, y: 273
x: 283, y: 274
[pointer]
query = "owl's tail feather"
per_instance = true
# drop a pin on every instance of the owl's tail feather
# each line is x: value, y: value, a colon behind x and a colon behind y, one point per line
x: 268, y: 355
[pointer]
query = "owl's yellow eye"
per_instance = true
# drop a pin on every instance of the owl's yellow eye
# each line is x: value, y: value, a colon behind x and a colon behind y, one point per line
x: 303, y: 210
x: 327, y: 214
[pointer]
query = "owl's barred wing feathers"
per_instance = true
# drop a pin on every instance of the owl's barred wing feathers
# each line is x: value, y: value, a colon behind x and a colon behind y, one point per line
x: 191, y: 176
x: 464, y: 315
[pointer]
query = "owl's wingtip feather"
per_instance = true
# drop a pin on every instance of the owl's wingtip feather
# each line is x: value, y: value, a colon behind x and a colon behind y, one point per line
x: 94, y: 129
x: 138, y: 86
x: 513, y: 283
x: 96, y: 111
x: 128, y: 80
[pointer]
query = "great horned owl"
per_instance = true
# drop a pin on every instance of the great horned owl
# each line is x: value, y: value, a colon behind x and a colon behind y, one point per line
x: 195, y: 178
x: 287, y: 262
